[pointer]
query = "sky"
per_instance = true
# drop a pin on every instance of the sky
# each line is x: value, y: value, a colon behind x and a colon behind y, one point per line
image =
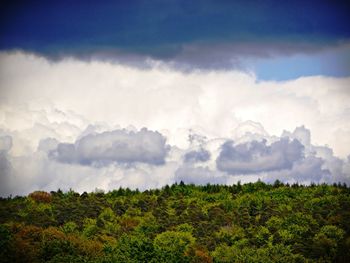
x: 140, y: 94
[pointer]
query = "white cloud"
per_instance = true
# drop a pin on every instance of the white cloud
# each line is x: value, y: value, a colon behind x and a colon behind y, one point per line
x: 46, y: 104
x: 160, y: 98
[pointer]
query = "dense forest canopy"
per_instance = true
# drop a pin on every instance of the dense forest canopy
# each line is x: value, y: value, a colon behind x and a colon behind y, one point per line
x: 254, y: 222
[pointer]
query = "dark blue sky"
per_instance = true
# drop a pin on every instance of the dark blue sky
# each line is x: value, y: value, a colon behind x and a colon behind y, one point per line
x: 163, y: 29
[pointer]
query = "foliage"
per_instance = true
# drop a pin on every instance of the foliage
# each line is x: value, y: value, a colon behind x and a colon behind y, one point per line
x: 172, y: 246
x: 41, y: 196
x: 254, y: 222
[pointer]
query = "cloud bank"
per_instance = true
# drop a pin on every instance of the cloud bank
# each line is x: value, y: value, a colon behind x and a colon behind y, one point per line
x: 142, y: 159
x: 82, y: 125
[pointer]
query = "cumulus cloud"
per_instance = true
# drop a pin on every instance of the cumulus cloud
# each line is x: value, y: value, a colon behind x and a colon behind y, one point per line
x: 200, y: 155
x: 304, y: 171
x: 48, y: 145
x: 5, y: 144
x: 84, y: 169
x: 309, y: 170
x: 248, y: 131
x: 301, y: 134
x: 164, y: 99
x: 326, y: 166
x: 76, y: 124
x: 255, y: 157
x: 5, y: 165
x: 120, y: 146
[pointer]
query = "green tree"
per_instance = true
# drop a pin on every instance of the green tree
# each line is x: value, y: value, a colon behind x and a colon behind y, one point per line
x: 172, y: 246
x: 90, y: 228
x: 326, y: 241
x: 133, y: 248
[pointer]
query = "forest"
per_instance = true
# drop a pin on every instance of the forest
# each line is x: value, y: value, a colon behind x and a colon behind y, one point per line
x: 254, y: 222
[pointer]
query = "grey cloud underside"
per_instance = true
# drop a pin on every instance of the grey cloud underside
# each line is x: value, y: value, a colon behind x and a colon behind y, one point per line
x: 142, y: 159
x: 186, y: 57
x: 5, y: 143
x: 5, y: 164
x: 118, y: 146
x: 308, y: 170
x: 290, y: 158
x: 256, y: 157
x: 48, y: 144
x: 5, y: 147
x: 200, y: 155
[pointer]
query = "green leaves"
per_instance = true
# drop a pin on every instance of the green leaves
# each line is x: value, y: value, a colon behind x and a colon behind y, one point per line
x: 173, y: 246
x: 90, y: 228
x: 327, y: 241
x: 133, y: 248
x: 252, y: 222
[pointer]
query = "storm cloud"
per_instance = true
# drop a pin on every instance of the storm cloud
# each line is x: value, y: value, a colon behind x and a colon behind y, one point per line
x: 164, y: 31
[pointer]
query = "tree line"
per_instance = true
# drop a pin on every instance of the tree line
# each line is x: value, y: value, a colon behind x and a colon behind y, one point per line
x: 254, y: 222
